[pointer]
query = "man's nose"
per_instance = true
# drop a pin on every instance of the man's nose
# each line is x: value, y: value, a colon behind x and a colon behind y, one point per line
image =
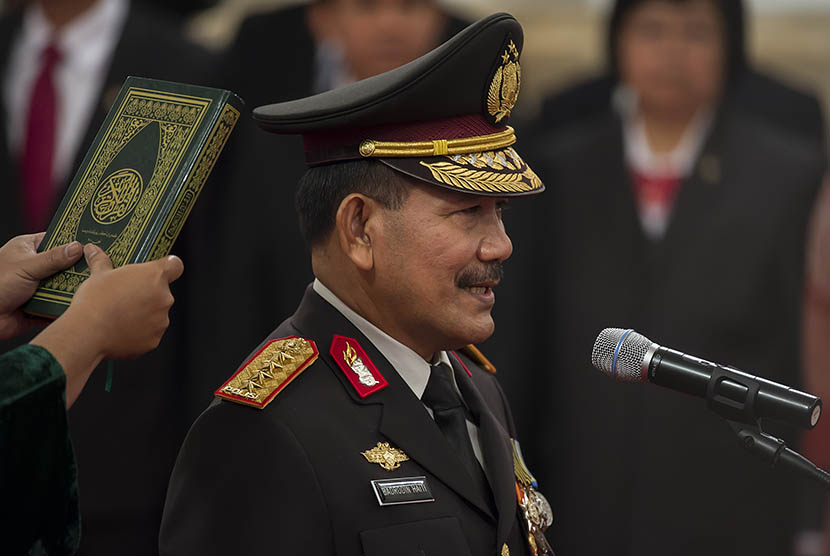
x: 496, y: 245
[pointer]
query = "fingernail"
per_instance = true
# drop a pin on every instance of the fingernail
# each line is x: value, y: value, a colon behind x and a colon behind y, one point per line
x: 90, y: 251
x: 72, y: 250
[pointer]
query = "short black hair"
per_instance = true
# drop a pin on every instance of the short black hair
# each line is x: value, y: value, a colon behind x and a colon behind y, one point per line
x: 322, y: 188
x: 731, y: 12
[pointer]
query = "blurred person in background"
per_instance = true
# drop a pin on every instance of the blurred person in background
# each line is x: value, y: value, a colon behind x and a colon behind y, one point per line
x: 765, y: 96
x: 62, y: 63
x: 816, y: 335
x: 677, y: 209
x: 281, y: 55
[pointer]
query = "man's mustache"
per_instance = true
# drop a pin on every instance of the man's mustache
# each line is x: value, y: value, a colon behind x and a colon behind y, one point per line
x: 487, y: 272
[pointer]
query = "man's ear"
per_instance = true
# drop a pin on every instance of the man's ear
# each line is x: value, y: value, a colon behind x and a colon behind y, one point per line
x: 354, y: 225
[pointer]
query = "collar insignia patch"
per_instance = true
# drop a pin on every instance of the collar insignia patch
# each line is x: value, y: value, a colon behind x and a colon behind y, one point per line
x: 268, y: 372
x: 504, y: 87
x: 386, y: 456
x: 356, y: 365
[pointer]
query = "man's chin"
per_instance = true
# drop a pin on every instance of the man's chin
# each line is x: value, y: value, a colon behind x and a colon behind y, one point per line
x: 479, y: 332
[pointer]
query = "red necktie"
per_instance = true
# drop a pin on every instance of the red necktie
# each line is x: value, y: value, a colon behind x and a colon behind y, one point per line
x: 39, y: 148
x: 659, y: 190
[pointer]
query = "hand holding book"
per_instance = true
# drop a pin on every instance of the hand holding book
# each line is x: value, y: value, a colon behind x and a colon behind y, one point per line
x: 21, y: 270
x: 139, y: 179
x: 116, y: 313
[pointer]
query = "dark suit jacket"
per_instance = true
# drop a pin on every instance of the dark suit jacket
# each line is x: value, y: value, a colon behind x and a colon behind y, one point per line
x: 658, y: 471
x: 290, y: 479
x: 126, y: 440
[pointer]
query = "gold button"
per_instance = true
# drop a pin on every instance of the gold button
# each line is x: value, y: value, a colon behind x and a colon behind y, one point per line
x: 367, y: 148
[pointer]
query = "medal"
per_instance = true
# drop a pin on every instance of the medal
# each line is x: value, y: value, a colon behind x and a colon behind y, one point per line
x: 536, y: 510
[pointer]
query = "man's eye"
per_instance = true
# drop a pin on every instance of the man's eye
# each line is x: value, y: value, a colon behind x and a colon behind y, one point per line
x: 470, y: 210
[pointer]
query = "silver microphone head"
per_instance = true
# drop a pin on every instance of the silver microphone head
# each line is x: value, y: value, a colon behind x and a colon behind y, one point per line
x: 620, y: 353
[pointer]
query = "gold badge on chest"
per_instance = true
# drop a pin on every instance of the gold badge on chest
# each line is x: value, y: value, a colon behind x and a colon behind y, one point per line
x: 386, y: 456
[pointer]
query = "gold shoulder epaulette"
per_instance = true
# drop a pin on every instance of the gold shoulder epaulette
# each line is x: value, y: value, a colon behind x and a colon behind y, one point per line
x: 473, y: 353
x: 268, y: 372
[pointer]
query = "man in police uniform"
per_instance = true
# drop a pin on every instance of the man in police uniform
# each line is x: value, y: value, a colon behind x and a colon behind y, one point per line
x: 385, y: 441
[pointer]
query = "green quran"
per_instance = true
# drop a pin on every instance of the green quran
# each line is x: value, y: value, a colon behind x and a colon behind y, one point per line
x: 139, y: 180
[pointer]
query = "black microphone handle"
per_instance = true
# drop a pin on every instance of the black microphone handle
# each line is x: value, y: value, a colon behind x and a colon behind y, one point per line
x: 732, y: 393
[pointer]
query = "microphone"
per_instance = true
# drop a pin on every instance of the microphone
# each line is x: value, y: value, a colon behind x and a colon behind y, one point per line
x: 627, y: 356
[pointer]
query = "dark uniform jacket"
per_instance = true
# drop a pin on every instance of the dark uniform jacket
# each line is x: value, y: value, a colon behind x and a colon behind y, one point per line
x: 290, y: 479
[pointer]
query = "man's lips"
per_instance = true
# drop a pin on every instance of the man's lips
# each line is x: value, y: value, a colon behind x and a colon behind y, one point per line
x: 481, y: 281
x: 481, y: 288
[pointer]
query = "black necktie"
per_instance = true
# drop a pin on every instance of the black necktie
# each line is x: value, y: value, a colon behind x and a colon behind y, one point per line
x: 450, y: 415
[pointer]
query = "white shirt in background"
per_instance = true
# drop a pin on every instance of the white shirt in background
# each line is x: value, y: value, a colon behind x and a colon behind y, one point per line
x: 86, y: 45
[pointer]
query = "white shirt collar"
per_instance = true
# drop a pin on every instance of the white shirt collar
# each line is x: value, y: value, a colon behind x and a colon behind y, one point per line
x: 79, y: 40
x: 412, y: 368
x: 89, y: 39
x: 638, y: 154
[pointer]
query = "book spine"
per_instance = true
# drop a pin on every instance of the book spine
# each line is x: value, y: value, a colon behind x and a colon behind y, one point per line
x: 160, y: 239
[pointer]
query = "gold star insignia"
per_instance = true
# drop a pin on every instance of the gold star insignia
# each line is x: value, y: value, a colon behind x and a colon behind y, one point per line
x: 261, y: 374
x: 282, y: 357
x: 270, y: 365
x: 250, y: 383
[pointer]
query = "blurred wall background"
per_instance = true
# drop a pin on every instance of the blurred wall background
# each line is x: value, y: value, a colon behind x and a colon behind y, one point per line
x: 564, y: 38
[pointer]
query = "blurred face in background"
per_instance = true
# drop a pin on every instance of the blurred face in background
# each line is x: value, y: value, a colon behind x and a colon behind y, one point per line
x: 379, y: 35
x: 673, y: 54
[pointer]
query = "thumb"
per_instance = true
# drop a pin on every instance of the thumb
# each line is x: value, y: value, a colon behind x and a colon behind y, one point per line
x: 96, y: 258
x: 173, y: 268
x: 43, y: 265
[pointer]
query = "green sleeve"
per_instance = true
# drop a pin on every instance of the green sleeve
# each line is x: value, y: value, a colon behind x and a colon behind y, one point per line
x: 38, y: 476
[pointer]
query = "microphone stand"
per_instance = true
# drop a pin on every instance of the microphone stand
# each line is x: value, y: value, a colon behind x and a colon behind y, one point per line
x: 775, y: 452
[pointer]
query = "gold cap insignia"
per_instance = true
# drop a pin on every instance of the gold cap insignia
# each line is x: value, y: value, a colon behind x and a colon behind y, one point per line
x: 504, y: 88
x: 493, y: 172
x: 269, y: 371
x: 386, y: 456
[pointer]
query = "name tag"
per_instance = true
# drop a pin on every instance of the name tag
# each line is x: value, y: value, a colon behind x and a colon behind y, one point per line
x: 404, y: 490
